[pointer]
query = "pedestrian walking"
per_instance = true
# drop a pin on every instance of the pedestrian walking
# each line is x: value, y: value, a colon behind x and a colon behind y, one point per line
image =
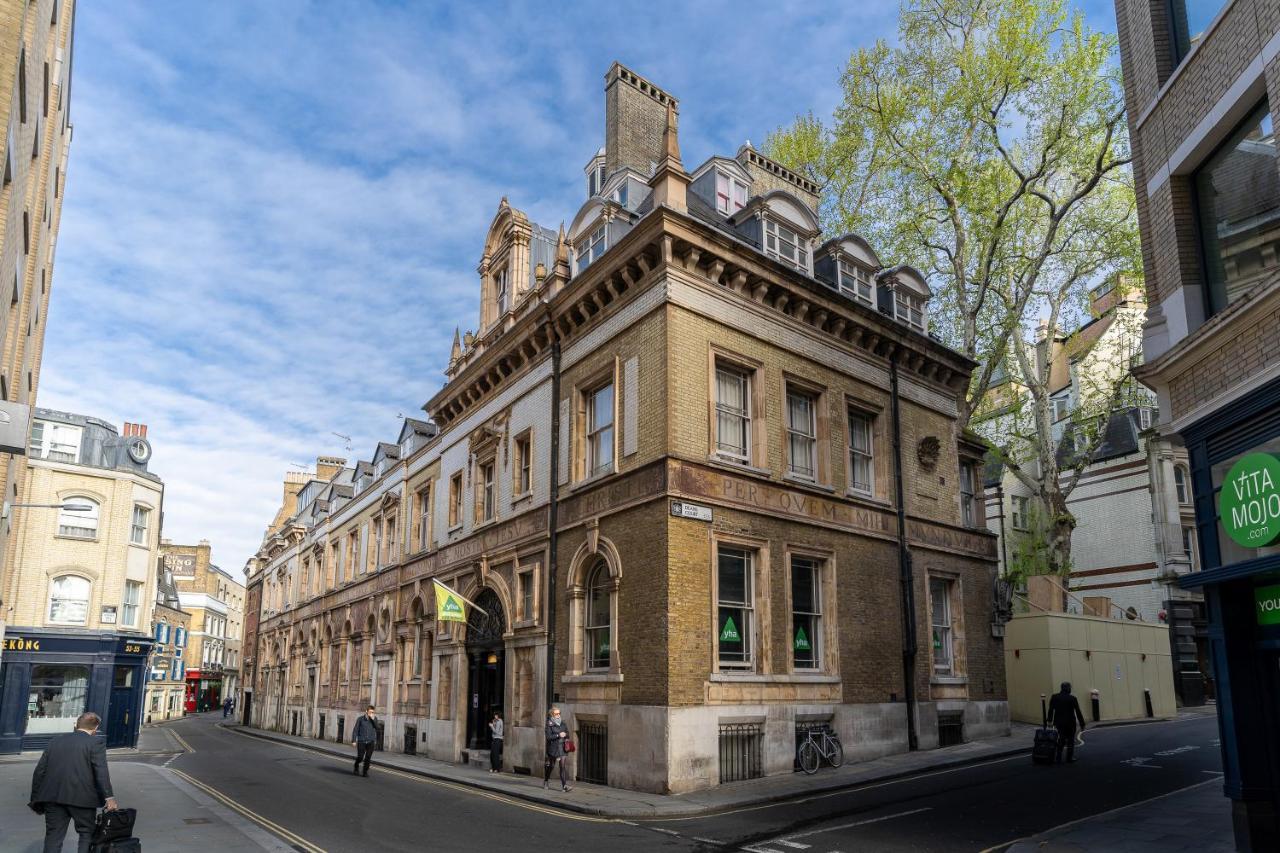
x: 363, y: 739
x: 70, y: 782
x: 557, y: 739
x: 495, y: 743
x: 226, y: 708
x: 1064, y: 712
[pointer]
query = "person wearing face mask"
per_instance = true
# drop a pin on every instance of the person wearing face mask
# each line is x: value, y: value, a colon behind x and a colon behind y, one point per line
x: 557, y: 736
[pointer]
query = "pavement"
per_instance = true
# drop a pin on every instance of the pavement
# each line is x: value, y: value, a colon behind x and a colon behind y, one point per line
x: 620, y: 803
x: 1196, y: 819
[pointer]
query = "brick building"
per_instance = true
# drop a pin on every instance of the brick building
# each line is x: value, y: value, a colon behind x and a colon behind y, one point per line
x: 35, y: 68
x: 83, y: 583
x: 215, y: 601
x: 171, y: 625
x: 1199, y: 81
x: 690, y: 466
x: 1135, y: 525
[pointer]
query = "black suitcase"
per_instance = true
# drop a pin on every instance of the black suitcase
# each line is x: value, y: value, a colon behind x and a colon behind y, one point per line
x: 117, y: 845
x: 1045, y: 745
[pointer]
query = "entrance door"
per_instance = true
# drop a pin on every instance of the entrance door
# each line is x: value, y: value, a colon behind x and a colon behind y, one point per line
x: 121, y: 713
x: 487, y: 667
x: 248, y: 708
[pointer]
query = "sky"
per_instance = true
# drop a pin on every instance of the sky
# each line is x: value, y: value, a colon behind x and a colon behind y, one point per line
x: 274, y: 211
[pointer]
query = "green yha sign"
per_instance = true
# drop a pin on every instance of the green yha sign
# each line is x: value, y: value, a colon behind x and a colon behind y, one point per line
x: 1250, y: 502
x: 1267, y: 599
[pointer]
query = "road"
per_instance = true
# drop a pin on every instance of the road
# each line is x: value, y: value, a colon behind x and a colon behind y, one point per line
x: 316, y: 800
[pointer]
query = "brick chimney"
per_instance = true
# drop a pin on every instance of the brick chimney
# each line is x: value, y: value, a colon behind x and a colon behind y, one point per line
x: 635, y: 117
x: 327, y: 467
x: 131, y: 430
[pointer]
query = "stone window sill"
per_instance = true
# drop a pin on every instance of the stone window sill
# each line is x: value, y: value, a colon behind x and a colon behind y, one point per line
x: 523, y: 496
x: 590, y: 677
x: 592, y: 480
x: 731, y: 464
x: 949, y: 680
x: 778, y: 678
x: 810, y: 484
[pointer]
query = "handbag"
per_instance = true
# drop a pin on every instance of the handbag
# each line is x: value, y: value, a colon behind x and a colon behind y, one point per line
x: 569, y: 747
x: 114, y: 825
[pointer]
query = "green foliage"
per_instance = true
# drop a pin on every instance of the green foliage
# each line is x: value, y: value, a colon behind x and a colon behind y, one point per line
x: 1030, y: 551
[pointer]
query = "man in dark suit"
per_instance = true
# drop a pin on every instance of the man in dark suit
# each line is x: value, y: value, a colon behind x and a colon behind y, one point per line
x: 1064, y: 712
x: 70, y: 782
x: 364, y: 739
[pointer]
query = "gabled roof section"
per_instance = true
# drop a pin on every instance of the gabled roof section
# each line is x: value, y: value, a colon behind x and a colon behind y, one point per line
x: 385, y: 450
x: 732, y: 167
x: 416, y: 426
x: 785, y: 206
x: 908, y: 276
x: 853, y: 245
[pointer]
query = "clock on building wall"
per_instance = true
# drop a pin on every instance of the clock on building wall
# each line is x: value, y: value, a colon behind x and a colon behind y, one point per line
x: 139, y: 450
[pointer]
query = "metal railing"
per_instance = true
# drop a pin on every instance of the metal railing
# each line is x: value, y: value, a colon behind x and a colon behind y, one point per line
x: 593, y: 752
x: 740, y: 751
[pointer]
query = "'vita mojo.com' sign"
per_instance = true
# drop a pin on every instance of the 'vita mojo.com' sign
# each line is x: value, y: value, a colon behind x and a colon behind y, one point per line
x: 1250, y: 504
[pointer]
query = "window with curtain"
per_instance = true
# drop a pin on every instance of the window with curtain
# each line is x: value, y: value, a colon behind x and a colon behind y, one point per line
x: 138, y: 530
x: 82, y: 524
x: 940, y: 605
x: 600, y: 430
x: 802, y: 434
x: 733, y: 415
x: 861, y: 469
x: 132, y: 600
x: 56, y: 698
x: 69, y: 600
x: 599, y: 624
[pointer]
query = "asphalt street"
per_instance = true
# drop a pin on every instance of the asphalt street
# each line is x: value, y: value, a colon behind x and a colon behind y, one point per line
x: 989, y: 805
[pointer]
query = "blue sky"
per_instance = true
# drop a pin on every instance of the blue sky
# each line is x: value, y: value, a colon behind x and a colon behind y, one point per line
x: 274, y: 211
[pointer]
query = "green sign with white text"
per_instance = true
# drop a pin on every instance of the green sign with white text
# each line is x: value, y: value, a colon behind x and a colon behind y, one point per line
x: 1250, y: 502
x: 729, y: 634
x: 1267, y: 599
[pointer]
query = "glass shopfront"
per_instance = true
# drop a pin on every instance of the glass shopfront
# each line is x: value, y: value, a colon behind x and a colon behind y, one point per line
x: 57, y: 695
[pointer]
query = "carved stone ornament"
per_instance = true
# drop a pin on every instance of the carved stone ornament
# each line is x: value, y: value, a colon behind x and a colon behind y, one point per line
x: 927, y: 452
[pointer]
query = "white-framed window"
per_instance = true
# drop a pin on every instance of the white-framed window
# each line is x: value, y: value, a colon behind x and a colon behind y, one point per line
x: 784, y: 244
x: 138, y: 530
x: 503, y: 296
x: 802, y: 434
x: 1189, y: 546
x: 908, y: 308
x: 1061, y: 408
x: 599, y: 624
x: 82, y: 524
x: 731, y: 194
x: 806, y: 612
x: 180, y: 637
x: 590, y: 249
x: 55, y: 442
x: 424, y: 517
x: 526, y: 595
x: 735, y: 607
x: 855, y: 280
x: 861, y: 459
x: 733, y: 411
x: 132, y: 600
x: 1019, y: 504
x: 969, y: 479
x: 524, y: 464
x: 69, y: 600
x: 488, y: 497
x: 600, y: 430
x: 1182, y: 485
x: 940, y: 605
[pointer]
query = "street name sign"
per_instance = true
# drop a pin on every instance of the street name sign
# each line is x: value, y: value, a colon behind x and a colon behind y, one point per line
x: 683, y: 509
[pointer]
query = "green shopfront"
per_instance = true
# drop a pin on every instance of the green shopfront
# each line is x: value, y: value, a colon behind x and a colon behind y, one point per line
x: 48, y: 678
x: 1235, y: 462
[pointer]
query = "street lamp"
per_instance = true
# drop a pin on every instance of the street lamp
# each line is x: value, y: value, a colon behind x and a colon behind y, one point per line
x: 4, y: 513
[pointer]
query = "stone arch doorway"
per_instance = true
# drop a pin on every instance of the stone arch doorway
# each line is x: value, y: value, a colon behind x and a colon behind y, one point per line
x: 486, y: 666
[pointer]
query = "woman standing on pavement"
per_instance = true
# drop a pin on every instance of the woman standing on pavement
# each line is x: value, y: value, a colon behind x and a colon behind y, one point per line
x: 495, y: 743
x: 557, y: 736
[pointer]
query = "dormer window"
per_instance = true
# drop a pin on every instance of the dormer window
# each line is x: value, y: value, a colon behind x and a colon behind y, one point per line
x: 501, y: 286
x: 620, y: 194
x: 782, y: 243
x: 855, y: 280
x: 731, y: 194
x: 595, y: 180
x: 908, y: 308
x: 590, y: 249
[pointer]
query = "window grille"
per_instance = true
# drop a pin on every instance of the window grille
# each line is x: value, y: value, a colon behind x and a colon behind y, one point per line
x: 593, y: 752
x: 740, y: 749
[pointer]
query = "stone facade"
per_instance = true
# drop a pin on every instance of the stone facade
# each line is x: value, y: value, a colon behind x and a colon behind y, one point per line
x: 35, y: 67
x: 215, y: 601
x: 578, y: 483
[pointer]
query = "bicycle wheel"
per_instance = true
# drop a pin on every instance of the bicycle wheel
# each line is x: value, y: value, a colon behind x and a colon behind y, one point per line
x: 809, y: 757
x: 836, y: 755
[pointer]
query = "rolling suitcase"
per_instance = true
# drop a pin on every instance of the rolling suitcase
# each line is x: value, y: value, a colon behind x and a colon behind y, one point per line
x: 1046, y: 739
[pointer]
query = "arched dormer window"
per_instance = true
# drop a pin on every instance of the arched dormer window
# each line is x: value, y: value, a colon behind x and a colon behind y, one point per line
x: 848, y: 264
x: 904, y: 296
x: 784, y: 226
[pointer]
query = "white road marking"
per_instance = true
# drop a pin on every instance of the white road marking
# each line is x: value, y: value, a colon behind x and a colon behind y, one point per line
x: 796, y: 844
x: 1176, y: 750
x: 708, y: 840
x: 667, y: 831
x: 857, y: 823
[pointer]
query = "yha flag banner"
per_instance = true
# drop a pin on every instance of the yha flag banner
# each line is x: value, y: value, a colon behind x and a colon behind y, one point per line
x: 451, y: 606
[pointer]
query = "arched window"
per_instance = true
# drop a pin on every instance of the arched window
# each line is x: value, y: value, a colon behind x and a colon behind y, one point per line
x: 69, y: 600
x: 80, y: 522
x: 599, y: 624
x: 1181, y: 484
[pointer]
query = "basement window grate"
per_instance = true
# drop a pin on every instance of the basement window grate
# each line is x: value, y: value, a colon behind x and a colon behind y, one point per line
x: 950, y: 728
x: 740, y: 748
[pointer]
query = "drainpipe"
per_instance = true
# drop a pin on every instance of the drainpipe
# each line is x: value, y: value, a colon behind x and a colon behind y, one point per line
x: 1004, y: 553
x: 553, y: 510
x: 904, y: 565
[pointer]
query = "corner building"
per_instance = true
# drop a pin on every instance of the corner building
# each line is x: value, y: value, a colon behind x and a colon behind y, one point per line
x: 666, y: 467
x: 1202, y: 84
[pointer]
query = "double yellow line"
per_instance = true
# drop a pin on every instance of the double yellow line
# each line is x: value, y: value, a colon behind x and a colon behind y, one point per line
x: 293, y: 838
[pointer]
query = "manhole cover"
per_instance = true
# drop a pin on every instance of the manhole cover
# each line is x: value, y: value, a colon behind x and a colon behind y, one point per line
x: 195, y: 820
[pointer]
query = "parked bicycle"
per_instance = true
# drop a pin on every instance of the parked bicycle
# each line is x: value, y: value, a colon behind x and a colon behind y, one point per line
x: 820, y: 744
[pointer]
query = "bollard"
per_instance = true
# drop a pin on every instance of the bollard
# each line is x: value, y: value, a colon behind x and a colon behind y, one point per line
x: 1093, y: 700
x: 1147, y: 693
